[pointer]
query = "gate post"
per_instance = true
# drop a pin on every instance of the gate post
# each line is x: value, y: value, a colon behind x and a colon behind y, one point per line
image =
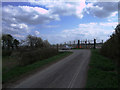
x: 86, y: 44
x: 94, y: 43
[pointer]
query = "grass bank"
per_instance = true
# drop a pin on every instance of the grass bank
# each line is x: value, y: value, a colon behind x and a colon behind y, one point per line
x: 102, y: 72
x: 17, y: 71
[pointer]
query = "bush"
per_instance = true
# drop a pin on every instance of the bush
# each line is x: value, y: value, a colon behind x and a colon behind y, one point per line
x: 35, y: 55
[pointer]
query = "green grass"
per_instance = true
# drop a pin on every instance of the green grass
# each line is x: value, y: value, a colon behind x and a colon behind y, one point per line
x: 102, y: 72
x: 18, y: 71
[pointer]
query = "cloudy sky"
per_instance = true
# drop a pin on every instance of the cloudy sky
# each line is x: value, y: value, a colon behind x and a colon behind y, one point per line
x: 60, y: 21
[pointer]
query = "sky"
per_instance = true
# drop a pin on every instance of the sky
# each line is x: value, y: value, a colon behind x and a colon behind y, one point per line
x: 60, y: 22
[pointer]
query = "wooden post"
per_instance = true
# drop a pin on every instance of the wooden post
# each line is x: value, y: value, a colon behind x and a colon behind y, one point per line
x: 94, y: 43
x: 78, y: 43
x: 86, y: 44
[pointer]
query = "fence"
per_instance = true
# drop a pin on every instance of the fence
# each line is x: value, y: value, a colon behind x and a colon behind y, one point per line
x: 85, y: 44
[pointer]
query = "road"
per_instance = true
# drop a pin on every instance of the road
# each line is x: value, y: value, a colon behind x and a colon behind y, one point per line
x: 70, y: 72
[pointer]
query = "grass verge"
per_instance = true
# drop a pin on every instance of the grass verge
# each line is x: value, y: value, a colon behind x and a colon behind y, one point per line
x: 18, y: 71
x: 102, y: 72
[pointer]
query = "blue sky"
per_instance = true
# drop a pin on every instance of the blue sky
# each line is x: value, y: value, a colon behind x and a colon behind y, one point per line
x: 60, y: 22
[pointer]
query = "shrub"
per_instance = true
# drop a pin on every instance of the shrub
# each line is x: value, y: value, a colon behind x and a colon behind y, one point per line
x: 35, y: 55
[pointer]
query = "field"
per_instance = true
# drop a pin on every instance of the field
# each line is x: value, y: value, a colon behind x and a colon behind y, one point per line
x: 102, y: 72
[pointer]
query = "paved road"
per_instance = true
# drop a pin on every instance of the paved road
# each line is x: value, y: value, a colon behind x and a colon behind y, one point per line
x: 70, y: 72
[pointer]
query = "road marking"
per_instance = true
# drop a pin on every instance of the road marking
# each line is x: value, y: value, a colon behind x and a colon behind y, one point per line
x: 75, y: 76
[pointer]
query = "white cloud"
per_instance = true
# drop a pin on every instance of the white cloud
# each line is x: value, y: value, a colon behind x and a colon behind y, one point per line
x: 34, y: 9
x: 89, y: 31
x: 13, y: 25
x: 21, y: 19
x: 20, y: 26
x: 114, y: 13
x: 108, y: 24
x: 27, y: 14
x: 23, y: 26
x: 102, y: 9
x: 37, y: 32
x: 98, y: 9
x: 15, y: 28
x: 18, y: 36
x: 64, y: 8
x: 50, y: 26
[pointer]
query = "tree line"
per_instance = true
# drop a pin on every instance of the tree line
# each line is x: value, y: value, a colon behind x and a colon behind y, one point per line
x: 8, y: 42
x: 111, y: 48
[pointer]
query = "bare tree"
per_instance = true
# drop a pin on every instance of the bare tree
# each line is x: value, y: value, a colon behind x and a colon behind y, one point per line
x: 35, y: 41
x: 46, y: 43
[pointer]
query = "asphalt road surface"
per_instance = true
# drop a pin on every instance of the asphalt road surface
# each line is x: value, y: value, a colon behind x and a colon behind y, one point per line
x: 70, y: 72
